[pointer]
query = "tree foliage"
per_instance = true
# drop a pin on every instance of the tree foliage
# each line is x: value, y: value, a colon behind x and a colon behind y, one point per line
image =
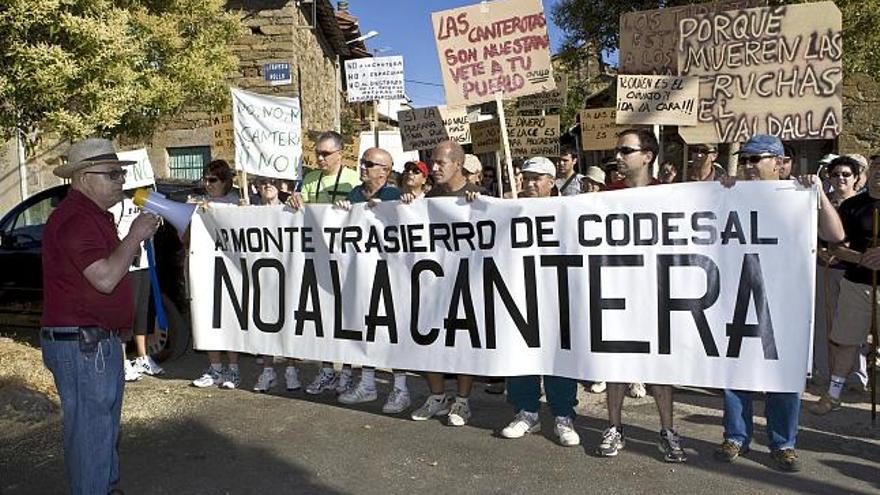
x: 109, y: 67
x: 596, y: 22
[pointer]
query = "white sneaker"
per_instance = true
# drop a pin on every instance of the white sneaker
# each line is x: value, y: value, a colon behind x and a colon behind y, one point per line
x: 397, y: 402
x: 291, y: 376
x: 598, y: 387
x: 231, y: 379
x: 210, y: 378
x: 636, y: 390
x: 325, y: 380
x: 147, y: 366
x: 266, y: 380
x: 524, y: 422
x: 358, y: 395
x: 345, y: 382
x: 459, y: 413
x: 565, y: 432
x: 131, y: 373
x: 435, y: 405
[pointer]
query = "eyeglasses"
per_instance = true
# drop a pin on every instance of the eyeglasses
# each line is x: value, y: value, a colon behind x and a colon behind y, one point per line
x: 325, y: 154
x: 845, y: 175
x: 413, y: 171
x: 368, y: 164
x: 210, y: 179
x: 626, y: 150
x: 753, y: 159
x: 111, y: 174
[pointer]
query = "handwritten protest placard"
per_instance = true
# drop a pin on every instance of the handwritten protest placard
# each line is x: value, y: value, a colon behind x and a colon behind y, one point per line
x: 423, y: 128
x: 140, y: 174
x: 599, y: 128
x: 533, y: 136
x: 773, y: 70
x: 551, y: 99
x: 489, y: 48
x: 223, y: 137
x: 648, y: 38
x: 486, y: 136
x: 374, y: 79
x: 267, y: 134
x: 663, y: 100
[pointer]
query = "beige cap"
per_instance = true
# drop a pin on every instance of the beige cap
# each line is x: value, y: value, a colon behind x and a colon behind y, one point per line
x: 472, y: 164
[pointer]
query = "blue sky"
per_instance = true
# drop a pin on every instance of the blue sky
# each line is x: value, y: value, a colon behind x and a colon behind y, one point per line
x: 405, y: 29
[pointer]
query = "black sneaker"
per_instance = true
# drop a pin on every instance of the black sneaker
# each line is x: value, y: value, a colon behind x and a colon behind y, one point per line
x: 670, y: 445
x: 786, y: 460
x: 729, y: 451
x: 612, y: 442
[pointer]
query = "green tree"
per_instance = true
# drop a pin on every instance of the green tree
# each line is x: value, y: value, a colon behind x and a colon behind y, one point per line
x: 110, y: 67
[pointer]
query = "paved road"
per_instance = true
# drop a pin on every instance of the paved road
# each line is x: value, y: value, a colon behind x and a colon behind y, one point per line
x: 177, y: 439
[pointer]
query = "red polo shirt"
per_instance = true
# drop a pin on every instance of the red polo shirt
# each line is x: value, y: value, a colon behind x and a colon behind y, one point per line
x: 621, y: 184
x: 77, y: 234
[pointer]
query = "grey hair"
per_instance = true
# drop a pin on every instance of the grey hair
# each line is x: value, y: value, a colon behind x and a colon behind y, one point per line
x: 331, y: 136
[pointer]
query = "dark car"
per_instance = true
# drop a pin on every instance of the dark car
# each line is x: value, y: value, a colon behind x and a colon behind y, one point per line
x: 21, y: 282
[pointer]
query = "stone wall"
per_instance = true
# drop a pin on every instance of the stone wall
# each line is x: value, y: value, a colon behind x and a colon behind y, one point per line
x: 272, y: 31
x: 861, y: 106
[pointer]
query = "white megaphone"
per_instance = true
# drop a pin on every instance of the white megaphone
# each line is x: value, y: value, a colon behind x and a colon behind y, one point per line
x: 177, y: 214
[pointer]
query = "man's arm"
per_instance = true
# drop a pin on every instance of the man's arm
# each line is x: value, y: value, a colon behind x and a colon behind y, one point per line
x: 105, y: 274
x: 830, y: 226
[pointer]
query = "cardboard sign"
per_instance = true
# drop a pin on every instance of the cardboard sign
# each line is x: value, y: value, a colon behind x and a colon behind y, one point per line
x: 389, y: 141
x: 653, y: 100
x: 533, y: 136
x: 141, y: 173
x: 423, y: 128
x: 599, y: 128
x: 223, y: 137
x: 550, y: 99
x: 267, y: 134
x: 648, y: 38
x: 489, y: 48
x: 486, y: 136
x: 773, y: 70
x: 374, y: 79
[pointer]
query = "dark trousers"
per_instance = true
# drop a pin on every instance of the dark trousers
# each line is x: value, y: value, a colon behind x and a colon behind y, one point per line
x: 524, y: 393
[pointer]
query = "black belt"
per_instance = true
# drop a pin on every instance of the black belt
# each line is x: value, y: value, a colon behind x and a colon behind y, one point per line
x: 50, y: 334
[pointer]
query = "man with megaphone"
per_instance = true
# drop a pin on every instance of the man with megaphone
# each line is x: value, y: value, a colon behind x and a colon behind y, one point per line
x: 87, y: 310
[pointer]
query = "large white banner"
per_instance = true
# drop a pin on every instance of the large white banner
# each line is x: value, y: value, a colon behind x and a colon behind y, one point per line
x: 687, y: 284
x: 268, y: 134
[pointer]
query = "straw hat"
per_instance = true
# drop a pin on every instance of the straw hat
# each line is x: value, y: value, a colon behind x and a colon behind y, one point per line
x: 86, y: 153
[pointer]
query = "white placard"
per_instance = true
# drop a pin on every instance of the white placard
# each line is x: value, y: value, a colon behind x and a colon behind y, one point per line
x: 141, y: 173
x: 374, y: 79
x: 268, y: 134
x: 622, y: 286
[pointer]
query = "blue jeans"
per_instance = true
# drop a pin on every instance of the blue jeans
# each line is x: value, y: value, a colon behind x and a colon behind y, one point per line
x: 90, y: 386
x: 524, y: 393
x: 782, y: 411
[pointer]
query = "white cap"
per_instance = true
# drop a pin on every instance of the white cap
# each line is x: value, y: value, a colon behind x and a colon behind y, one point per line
x: 539, y: 165
x: 472, y: 164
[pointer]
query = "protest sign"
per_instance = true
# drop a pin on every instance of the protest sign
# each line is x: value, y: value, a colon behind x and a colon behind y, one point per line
x: 653, y: 100
x: 486, y: 136
x: 599, y: 128
x: 374, y: 79
x: 423, y: 128
x: 625, y: 286
x: 267, y: 134
x: 533, y: 136
x: 773, y: 70
x: 389, y: 141
x: 223, y: 137
x: 648, y: 38
x: 140, y: 174
x: 551, y: 99
x: 489, y: 48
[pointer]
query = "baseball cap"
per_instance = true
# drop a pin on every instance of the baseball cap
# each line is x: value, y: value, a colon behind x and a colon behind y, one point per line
x: 761, y: 144
x: 539, y: 165
x: 472, y: 164
x: 419, y: 165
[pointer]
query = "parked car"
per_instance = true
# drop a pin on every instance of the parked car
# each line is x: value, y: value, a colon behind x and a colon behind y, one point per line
x: 21, y: 282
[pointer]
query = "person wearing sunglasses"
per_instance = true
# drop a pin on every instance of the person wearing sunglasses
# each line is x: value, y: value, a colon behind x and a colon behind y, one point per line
x: 761, y: 159
x: 217, y: 177
x: 87, y: 310
x: 375, y: 166
x: 415, y: 176
x: 703, y: 166
x: 332, y: 181
x: 635, y: 153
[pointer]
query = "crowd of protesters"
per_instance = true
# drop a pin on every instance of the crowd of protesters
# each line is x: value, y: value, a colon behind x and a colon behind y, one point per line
x: 849, y: 198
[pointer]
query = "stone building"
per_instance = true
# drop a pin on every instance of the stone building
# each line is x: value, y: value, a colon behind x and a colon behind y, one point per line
x: 313, y: 37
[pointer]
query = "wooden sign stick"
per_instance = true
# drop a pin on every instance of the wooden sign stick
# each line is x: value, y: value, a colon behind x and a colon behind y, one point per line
x: 505, y: 145
x: 243, y: 184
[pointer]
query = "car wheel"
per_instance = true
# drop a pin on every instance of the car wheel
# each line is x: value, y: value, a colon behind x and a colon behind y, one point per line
x: 171, y: 343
